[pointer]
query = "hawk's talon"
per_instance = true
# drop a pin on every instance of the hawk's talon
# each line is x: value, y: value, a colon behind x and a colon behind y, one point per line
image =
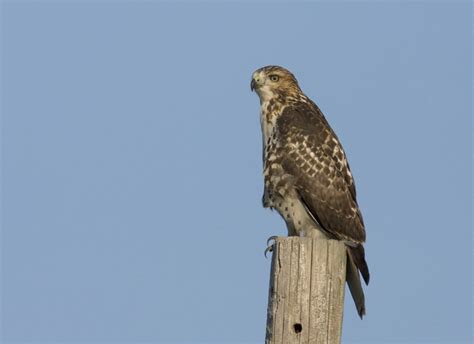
x: 272, y: 238
x: 270, y: 247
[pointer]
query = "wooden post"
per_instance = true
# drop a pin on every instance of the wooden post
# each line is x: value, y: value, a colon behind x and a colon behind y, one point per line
x: 306, y: 296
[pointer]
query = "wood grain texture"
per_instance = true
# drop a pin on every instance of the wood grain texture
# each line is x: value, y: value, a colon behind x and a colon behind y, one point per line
x: 306, y: 294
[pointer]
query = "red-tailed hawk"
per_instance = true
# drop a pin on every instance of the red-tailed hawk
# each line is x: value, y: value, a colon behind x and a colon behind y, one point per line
x: 307, y: 176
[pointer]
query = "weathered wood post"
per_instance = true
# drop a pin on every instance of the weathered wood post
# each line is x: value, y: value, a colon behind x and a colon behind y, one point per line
x: 306, y: 295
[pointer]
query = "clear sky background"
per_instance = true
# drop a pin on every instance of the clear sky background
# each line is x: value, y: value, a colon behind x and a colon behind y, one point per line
x: 132, y: 172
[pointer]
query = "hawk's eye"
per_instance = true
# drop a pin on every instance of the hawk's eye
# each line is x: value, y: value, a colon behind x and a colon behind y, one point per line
x: 274, y: 77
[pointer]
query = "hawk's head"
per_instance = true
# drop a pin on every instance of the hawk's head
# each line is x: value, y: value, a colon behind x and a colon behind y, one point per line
x: 273, y: 81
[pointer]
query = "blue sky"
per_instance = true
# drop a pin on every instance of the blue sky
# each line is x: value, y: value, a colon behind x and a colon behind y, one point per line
x: 131, y: 164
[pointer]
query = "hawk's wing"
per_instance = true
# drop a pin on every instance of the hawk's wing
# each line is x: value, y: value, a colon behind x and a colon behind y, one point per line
x: 311, y: 153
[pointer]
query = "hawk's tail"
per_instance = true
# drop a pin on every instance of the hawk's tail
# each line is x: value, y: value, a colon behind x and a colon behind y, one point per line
x: 355, y: 263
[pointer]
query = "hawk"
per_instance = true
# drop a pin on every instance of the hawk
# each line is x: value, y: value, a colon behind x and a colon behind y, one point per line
x: 306, y: 173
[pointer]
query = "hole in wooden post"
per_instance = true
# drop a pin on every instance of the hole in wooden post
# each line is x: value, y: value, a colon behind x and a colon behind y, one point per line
x: 298, y: 328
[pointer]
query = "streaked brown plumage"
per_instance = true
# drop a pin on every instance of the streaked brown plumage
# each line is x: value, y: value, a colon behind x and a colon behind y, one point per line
x: 306, y: 173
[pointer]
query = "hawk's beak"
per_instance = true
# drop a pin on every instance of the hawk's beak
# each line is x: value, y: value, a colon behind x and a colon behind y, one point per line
x: 253, y: 84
